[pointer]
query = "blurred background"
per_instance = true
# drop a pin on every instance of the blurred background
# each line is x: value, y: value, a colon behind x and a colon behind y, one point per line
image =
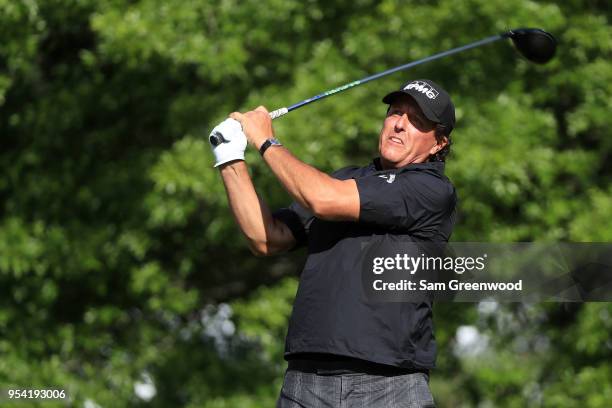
x: 123, y: 279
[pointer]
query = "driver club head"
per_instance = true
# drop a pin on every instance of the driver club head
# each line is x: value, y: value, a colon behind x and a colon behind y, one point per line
x: 533, y: 43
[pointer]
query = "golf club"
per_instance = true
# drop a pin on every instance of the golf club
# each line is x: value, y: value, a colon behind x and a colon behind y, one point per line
x: 533, y: 43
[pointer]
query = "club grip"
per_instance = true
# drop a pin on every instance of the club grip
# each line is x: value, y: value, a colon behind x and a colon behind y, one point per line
x: 278, y: 113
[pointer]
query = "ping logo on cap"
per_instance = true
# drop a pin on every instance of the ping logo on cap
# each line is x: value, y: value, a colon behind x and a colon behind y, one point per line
x: 424, y: 88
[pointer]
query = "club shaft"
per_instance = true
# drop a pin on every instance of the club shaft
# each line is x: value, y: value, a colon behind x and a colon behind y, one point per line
x: 280, y: 112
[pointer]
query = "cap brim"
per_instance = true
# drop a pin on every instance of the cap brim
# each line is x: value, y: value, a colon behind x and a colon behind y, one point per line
x: 429, y: 114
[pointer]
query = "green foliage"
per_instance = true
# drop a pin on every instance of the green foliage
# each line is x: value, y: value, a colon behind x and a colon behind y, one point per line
x: 119, y: 259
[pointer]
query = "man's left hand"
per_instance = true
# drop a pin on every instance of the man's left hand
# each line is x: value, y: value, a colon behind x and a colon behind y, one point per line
x: 256, y: 124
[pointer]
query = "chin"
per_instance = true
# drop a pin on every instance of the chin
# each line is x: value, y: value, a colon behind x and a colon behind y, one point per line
x: 391, y: 157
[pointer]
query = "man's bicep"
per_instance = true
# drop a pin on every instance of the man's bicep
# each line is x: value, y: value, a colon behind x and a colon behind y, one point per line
x: 340, y: 202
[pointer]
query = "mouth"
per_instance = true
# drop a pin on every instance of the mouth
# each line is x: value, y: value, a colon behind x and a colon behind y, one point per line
x: 396, y: 140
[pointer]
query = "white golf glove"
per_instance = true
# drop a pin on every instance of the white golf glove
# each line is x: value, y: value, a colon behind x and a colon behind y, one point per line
x: 227, y: 141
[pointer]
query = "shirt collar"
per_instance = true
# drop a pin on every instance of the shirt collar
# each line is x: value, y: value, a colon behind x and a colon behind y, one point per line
x: 436, y: 168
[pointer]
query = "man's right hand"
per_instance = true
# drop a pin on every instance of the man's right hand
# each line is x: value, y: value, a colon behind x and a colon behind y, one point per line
x: 230, y: 142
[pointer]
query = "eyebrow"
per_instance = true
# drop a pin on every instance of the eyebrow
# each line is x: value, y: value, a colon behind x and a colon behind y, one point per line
x: 412, y: 110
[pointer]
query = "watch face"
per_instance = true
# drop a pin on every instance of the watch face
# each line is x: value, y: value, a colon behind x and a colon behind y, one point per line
x: 275, y: 142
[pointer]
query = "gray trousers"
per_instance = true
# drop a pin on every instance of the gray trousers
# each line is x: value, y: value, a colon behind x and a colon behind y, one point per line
x: 310, y: 390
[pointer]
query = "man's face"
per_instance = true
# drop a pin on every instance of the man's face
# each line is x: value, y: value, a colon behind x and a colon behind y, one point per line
x: 407, y: 136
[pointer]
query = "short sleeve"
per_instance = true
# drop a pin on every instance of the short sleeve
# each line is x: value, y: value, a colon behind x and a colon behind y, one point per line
x: 298, y: 220
x: 407, y: 201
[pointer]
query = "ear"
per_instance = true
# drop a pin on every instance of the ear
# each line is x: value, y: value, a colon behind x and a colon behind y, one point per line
x: 441, y: 144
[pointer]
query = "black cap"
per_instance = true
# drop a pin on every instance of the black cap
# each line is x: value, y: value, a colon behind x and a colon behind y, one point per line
x: 431, y: 98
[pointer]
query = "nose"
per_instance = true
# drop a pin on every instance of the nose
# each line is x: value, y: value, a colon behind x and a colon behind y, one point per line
x: 401, y: 123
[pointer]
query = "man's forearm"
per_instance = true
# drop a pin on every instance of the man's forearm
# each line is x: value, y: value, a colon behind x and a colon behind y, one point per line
x: 250, y: 215
x: 264, y: 233
x: 309, y: 186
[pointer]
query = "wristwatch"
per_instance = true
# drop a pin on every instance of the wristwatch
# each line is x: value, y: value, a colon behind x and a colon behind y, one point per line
x: 270, y: 142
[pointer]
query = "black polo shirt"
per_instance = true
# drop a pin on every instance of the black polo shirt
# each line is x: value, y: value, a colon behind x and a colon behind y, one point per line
x: 330, y: 314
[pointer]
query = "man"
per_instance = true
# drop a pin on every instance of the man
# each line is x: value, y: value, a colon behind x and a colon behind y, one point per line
x: 342, y: 349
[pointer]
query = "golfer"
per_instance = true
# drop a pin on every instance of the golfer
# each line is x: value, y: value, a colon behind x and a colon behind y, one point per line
x: 342, y: 350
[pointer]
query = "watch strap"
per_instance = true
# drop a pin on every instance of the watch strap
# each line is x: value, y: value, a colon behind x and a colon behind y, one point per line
x: 267, y: 144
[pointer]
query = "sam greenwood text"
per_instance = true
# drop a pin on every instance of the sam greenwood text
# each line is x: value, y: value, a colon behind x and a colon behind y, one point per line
x: 454, y: 284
